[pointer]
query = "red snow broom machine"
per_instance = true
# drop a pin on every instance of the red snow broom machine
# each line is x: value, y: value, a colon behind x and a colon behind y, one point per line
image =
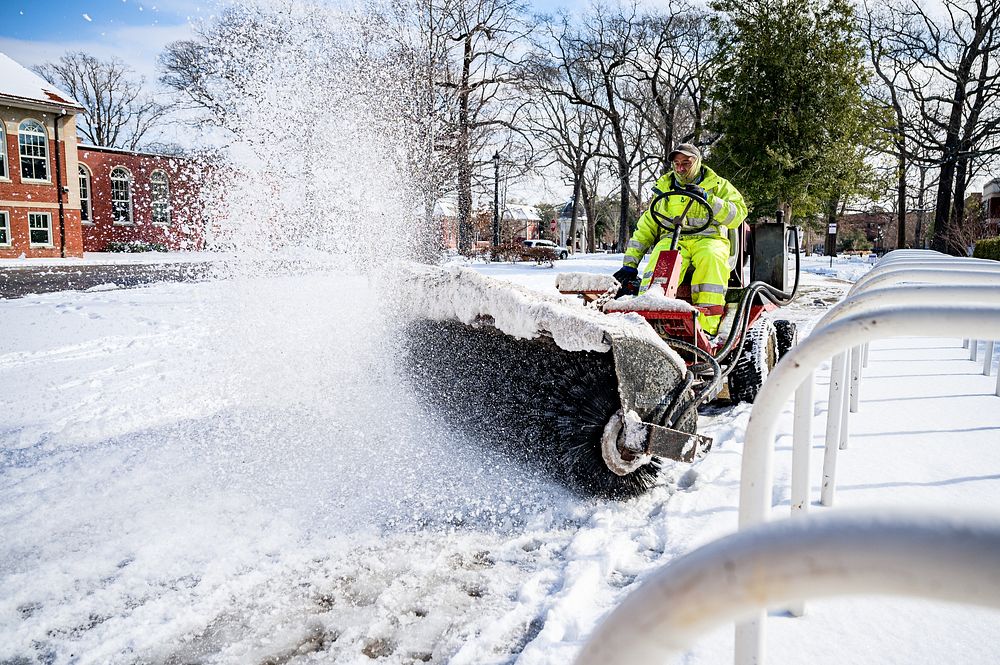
x: 598, y: 385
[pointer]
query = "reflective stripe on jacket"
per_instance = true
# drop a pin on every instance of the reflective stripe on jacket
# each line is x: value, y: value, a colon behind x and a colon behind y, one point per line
x: 727, y: 203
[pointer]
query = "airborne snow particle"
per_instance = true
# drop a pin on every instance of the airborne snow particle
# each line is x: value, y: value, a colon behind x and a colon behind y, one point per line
x: 86, y: 17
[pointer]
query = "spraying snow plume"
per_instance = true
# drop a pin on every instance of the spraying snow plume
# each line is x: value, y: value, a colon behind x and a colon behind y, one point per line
x: 320, y: 142
x: 225, y: 457
x: 323, y: 141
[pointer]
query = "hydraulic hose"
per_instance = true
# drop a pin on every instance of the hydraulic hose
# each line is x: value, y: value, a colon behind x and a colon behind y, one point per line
x: 709, y: 387
x: 742, y: 316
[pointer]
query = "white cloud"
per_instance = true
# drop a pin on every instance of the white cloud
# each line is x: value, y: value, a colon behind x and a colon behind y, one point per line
x: 137, y: 46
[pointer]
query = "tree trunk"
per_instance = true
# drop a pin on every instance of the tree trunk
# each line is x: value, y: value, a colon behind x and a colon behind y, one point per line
x: 942, y: 208
x: 901, y: 200
x: 624, y: 228
x: 464, y: 167
x: 577, y: 184
x: 588, y: 206
x: 668, y: 139
x: 943, y: 230
x: 918, y: 237
x: 831, y: 219
x: 958, y: 207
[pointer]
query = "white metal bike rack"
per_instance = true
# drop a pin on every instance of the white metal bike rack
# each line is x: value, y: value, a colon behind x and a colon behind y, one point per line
x: 839, y: 554
x: 987, y: 294
x: 944, y: 271
x: 932, y: 297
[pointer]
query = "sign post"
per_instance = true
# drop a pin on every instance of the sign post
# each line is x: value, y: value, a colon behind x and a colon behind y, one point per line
x: 831, y: 240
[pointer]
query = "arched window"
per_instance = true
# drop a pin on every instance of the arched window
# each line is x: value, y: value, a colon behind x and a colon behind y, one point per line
x: 161, y: 197
x: 85, y: 211
x: 33, y: 144
x: 121, y: 196
x: 4, y: 173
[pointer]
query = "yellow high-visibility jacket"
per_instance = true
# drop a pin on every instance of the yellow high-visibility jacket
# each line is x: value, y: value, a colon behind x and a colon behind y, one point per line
x: 727, y: 205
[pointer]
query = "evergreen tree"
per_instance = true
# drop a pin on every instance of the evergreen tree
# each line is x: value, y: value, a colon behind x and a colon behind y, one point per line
x: 794, y: 125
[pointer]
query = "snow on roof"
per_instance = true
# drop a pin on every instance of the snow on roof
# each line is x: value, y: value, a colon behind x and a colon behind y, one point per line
x: 520, y: 212
x: 100, y: 148
x: 445, y: 208
x: 21, y: 84
x: 992, y: 188
x: 567, y: 211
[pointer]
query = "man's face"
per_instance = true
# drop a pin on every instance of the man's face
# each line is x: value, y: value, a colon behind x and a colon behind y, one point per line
x: 683, y: 164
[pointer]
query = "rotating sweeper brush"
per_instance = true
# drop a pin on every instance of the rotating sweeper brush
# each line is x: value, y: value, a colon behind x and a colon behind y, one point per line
x: 592, y: 399
x: 592, y: 389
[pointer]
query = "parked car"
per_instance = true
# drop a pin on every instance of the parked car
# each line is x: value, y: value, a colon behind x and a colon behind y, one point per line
x: 561, y: 252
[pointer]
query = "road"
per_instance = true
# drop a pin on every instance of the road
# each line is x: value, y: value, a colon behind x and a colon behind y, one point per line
x: 18, y: 281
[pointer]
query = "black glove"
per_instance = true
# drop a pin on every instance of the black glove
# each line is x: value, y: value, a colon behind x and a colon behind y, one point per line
x: 626, y: 274
x: 628, y: 277
x: 697, y: 191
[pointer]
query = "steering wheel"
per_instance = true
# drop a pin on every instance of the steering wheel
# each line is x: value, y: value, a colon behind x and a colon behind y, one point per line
x: 669, y: 224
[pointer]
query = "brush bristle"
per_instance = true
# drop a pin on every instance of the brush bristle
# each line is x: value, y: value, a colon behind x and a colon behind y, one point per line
x: 546, y: 406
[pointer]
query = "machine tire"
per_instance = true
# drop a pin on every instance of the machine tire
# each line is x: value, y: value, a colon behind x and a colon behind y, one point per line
x: 788, y: 336
x: 563, y: 255
x: 760, y: 354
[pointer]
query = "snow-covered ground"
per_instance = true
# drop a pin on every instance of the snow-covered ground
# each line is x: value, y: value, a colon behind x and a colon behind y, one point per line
x: 236, y: 471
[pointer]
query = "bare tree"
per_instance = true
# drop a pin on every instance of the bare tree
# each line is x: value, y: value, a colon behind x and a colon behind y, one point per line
x: 117, y: 113
x: 596, y: 61
x: 891, y: 65
x: 673, y: 62
x: 483, y: 73
x: 953, y: 77
x: 572, y: 135
x: 231, y: 57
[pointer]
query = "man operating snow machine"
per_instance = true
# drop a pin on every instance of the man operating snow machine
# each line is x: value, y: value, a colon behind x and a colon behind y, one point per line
x: 599, y: 390
x: 707, y: 250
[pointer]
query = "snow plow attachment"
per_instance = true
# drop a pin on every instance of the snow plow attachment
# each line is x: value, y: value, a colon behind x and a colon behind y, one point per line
x: 593, y: 399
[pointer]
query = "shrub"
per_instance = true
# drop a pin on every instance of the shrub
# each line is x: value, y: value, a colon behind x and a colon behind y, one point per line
x: 135, y: 246
x: 539, y: 255
x: 988, y: 248
x: 506, y: 252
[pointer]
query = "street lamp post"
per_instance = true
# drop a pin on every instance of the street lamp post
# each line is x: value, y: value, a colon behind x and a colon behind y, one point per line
x: 496, y: 199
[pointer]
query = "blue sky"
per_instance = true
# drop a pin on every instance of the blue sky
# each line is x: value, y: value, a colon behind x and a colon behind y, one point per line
x: 85, y: 19
x: 33, y: 31
x: 37, y: 31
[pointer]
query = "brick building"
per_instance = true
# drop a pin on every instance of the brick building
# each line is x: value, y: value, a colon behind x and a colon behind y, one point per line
x: 59, y: 199
x: 135, y: 197
x: 39, y: 210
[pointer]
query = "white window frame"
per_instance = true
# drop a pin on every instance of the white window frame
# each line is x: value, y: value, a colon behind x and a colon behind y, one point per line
x: 86, y: 202
x: 129, y: 182
x: 21, y: 131
x: 4, y: 162
x: 166, y: 196
x: 5, y: 225
x: 48, y: 227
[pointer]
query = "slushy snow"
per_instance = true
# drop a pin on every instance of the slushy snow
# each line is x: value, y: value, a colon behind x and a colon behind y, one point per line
x: 234, y: 471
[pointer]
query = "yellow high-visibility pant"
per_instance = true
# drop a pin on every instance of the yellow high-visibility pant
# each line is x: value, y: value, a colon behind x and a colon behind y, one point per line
x: 710, y: 257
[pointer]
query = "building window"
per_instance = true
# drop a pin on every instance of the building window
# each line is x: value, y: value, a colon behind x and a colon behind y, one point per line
x: 4, y: 228
x: 4, y: 173
x: 85, y: 195
x: 121, y: 196
x: 40, y: 228
x: 161, y: 197
x: 34, y: 150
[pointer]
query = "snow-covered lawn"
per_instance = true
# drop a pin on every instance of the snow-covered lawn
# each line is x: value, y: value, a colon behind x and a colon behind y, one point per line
x: 238, y: 472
